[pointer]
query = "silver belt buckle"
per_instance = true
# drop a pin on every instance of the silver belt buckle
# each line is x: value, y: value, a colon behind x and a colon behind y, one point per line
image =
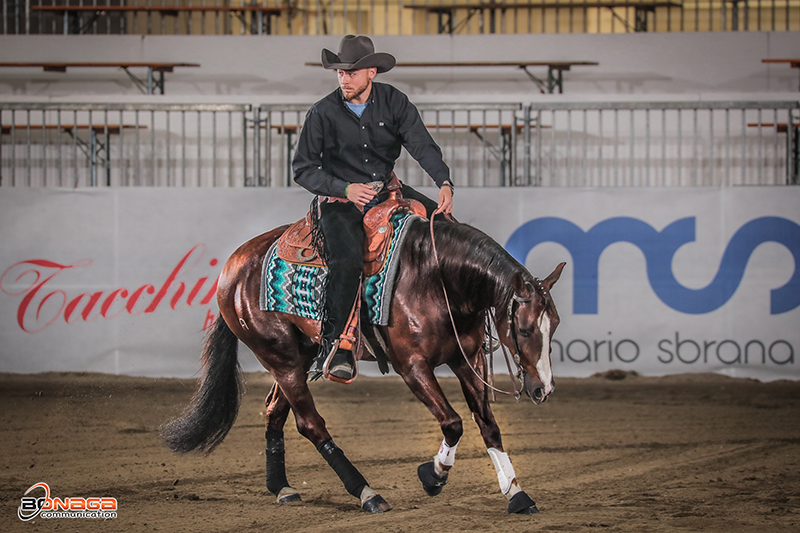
x: 376, y: 186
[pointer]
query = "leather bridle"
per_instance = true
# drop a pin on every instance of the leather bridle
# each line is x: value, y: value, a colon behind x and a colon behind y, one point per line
x: 511, y: 315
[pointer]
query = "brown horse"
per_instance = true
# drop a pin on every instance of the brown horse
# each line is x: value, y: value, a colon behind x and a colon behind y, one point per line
x: 479, y: 276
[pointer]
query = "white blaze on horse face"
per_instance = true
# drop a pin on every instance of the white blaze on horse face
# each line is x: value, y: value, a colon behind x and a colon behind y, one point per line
x: 543, y: 365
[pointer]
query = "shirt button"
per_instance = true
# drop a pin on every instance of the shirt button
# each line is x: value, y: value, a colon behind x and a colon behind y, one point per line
x: 365, y: 146
x: 373, y: 174
x: 366, y: 160
x: 363, y: 127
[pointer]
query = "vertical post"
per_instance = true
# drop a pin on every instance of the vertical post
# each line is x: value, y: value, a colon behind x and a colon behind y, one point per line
x: 154, y: 170
x: 200, y: 141
x: 92, y: 155
x: 137, y: 154
x: 168, y: 157
x: 568, y: 156
x: 150, y: 80
x: 695, y: 148
x: 13, y: 149
x: 727, y: 178
x: 28, y: 144
x: 44, y: 148
x: 585, y: 158
x: 122, y: 172
x: 257, y: 146
x: 526, y: 151
x: 213, y: 148
x: 230, y: 148
x: 183, y: 148
x: 647, y: 148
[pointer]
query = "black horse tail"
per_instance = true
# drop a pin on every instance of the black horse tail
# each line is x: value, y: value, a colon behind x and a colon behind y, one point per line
x: 213, y: 409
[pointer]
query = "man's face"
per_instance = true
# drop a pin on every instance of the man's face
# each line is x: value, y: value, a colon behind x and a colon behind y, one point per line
x: 355, y: 82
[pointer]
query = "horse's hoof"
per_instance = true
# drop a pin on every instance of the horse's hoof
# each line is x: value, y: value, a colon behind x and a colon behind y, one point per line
x: 431, y: 483
x: 376, y: 504
x: 521, y: 503
x: 288, y: 495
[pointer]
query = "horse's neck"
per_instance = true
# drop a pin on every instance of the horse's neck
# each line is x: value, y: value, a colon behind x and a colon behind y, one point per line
x: 477, y: 269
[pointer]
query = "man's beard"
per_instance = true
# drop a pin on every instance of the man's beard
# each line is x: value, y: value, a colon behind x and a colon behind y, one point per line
x: 357, y: 94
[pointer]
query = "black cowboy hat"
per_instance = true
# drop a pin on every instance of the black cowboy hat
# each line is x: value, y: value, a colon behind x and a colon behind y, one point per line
x: 357, y: 52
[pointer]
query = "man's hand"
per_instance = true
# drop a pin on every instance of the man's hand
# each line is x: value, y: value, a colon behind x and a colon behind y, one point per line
x: 445, y: 201
x: 360, y: 194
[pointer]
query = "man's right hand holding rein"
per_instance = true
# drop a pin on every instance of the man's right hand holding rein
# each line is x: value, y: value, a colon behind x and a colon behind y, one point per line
x: 360, y: 194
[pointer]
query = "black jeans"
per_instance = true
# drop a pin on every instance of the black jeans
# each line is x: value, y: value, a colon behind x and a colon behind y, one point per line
x: 342, y: 228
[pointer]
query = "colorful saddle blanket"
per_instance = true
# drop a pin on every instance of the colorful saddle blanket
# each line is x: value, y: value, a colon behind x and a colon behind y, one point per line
x: 296, y: 288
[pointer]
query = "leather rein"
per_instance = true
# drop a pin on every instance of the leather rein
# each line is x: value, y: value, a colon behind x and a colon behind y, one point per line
x: 491, y: 319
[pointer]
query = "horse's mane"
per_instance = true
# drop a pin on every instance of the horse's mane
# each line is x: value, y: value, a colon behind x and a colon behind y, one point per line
x: 477, y: 271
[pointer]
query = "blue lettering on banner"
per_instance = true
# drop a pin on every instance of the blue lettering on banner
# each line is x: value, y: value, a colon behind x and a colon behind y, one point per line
x: 659, y: 248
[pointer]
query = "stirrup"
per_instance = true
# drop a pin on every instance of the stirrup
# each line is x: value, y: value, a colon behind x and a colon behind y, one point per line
x: 326, y: 366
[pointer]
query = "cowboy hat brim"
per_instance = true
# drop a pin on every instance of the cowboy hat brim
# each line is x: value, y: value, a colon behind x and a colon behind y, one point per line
x: 382, y: 61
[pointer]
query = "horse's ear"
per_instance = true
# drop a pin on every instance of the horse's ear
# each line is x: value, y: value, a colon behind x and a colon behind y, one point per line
x: 550, y: 280
x: 518, y: 284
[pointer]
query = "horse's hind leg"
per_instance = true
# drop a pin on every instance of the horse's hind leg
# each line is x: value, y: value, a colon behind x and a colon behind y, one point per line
x: 475, y: 393
x: 293, y: 390
x: 277, y: 411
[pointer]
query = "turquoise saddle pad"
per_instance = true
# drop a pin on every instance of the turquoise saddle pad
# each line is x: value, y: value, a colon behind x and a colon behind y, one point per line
x: 296, y: 289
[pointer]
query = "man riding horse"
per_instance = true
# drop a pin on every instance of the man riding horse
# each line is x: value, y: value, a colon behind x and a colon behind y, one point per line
x: 345, y: 155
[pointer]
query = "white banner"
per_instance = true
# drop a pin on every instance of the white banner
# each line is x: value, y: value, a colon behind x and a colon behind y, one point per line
x: 660, y: 281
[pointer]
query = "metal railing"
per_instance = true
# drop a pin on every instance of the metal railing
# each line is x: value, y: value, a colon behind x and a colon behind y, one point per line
x: 572, y: 144
x: 117, y: 145
x: 661, y: 144
x: 396, y: 17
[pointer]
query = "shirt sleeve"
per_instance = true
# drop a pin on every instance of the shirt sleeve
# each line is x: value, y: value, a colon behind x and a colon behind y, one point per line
x: 307, y: 161
x: 419, y: 143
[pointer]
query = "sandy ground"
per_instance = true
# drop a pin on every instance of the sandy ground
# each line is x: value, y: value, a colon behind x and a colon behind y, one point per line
x: 680, y: 453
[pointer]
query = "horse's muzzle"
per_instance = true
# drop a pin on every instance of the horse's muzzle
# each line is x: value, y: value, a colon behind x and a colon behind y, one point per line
x: 536, y: 390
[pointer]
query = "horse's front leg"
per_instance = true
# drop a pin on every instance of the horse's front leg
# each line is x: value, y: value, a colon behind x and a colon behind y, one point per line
x: 475, y: 392
x: 419, y: 377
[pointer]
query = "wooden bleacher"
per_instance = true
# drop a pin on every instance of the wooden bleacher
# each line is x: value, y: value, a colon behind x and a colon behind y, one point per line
x: 147, y: 86
x: 446, y: 12
x: 72, y: 14
x: 794, y: 63
x: 555, y: 69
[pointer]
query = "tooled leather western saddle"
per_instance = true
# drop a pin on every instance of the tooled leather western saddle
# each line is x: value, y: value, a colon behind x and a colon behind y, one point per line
x: 295, y: 246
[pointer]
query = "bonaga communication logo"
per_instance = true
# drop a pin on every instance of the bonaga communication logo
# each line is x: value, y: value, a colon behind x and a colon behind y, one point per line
x: 75, y: 507
x: 659, y: 248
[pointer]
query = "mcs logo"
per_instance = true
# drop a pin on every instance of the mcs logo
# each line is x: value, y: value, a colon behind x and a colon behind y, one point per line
x: 659, y: 248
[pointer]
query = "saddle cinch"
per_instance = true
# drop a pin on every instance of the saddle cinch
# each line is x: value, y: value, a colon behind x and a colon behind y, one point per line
x: 295, y: 246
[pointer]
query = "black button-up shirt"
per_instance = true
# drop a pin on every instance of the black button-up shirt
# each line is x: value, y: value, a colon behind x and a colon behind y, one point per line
x: 337, y: 147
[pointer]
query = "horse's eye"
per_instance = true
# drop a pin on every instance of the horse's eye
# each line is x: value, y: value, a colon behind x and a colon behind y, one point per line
x: 525, y: 332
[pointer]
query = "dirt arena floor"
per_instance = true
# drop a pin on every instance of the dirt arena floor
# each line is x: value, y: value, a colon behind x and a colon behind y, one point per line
x: 679, y: 453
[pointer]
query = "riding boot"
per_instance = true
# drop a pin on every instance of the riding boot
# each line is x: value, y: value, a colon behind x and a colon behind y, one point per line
x: 343, y: 231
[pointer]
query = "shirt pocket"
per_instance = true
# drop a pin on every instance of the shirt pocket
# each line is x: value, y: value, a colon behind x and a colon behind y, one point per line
x: 385, y: 134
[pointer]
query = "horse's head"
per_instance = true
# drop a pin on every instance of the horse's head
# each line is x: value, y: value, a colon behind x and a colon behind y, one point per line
x: 532, y: 320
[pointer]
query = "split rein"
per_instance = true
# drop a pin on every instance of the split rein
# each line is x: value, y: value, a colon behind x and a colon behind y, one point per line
x: 491, y: 320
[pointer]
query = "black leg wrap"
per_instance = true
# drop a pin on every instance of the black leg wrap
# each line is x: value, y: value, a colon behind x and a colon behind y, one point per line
x: 353, y: 481
x: 521, y: 503
x: 431, y: 483
x: 276, y: 464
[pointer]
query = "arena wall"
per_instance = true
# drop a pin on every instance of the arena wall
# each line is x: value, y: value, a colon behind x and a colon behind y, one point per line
x: 659, y: 281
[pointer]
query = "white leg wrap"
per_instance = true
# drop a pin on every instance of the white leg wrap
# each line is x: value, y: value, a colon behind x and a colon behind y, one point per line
x: 505, y: 472
x: 447, y: 454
